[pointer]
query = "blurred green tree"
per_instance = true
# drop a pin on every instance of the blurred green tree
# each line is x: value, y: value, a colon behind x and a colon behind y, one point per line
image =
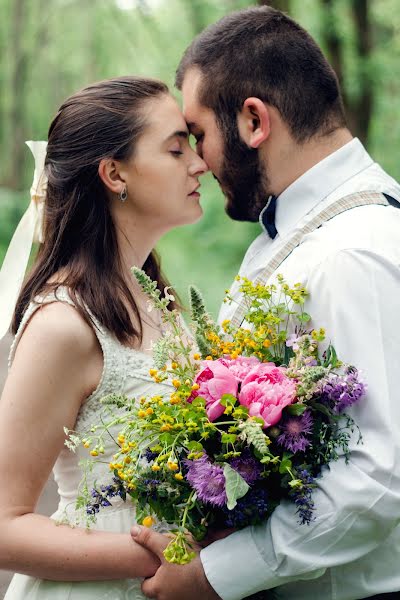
x: 48, y: 50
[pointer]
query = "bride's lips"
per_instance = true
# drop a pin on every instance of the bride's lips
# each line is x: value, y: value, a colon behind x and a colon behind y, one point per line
x: 195, y: 193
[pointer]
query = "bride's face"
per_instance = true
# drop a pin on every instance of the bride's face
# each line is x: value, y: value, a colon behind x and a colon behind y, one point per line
x: 162, y: 175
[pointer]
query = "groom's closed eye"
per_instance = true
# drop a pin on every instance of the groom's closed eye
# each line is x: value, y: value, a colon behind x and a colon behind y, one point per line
x: 198, y: 139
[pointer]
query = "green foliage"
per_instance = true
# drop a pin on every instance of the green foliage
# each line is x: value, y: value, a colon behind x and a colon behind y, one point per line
x: 251, y: 430
x: 236, y: 487
x: 65, y: 44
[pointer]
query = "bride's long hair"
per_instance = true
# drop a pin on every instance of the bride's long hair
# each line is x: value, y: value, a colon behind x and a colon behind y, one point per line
x: 104, y: 120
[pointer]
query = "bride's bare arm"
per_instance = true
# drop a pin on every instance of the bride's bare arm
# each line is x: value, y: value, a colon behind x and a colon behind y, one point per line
x: 57, y: 364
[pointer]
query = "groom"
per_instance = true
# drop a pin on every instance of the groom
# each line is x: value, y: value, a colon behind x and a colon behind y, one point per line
x: 265, y: 109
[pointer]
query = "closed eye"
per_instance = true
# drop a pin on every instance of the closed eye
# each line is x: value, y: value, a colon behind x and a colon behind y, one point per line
x: 198, y: 137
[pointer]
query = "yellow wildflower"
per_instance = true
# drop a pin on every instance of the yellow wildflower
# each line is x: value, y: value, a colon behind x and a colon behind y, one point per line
x: 148, y: 521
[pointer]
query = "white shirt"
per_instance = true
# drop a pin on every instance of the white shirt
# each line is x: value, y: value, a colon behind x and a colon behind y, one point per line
x: 350, y: 266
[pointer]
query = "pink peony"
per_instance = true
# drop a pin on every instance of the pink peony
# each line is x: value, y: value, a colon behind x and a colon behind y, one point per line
x: 215, y: 380
x: 266, y: 390
x: 241, y: 366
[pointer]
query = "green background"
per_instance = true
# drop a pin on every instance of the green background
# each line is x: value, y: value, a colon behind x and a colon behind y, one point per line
x: 51, y: 48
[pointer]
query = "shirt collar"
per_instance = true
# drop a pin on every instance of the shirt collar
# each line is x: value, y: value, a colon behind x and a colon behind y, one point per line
x: 319, y: 182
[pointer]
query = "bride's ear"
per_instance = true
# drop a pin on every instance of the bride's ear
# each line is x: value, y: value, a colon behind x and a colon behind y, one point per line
x: 254, y: 122
x: 110, y: 174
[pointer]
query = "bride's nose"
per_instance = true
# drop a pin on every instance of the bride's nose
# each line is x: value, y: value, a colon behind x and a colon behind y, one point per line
x: 197, y: 165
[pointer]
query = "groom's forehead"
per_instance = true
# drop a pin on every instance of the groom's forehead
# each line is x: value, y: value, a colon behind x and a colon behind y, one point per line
x: 190, y: 92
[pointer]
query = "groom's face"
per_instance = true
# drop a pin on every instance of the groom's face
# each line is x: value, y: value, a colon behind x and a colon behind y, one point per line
x: 236, y: 166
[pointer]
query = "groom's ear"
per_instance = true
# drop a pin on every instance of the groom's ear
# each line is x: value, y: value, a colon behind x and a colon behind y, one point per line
x: 254, y: 122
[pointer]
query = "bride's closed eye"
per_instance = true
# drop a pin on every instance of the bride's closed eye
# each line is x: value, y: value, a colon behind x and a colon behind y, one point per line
x: 176, y: 150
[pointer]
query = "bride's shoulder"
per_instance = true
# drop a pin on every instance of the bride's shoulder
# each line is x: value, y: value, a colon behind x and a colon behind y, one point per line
x: 58, y: 328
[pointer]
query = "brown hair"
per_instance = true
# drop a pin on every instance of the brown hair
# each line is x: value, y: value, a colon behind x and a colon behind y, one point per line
x: 262, y: 52
x: 104, y: 120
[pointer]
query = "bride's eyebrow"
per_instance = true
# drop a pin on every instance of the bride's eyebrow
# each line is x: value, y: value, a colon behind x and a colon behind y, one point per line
x: 180, y: 133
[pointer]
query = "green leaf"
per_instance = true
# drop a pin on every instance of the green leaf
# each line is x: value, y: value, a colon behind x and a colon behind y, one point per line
x: 286, y: 463
x: 304, y: 317
x: 296, y: 409
x: 331, y: 357
x: 322, y: 408
x: 199, y: 401
x: 194, y: 446
x: 288, y: 354
x: 228, y: 400
x: 228, y: 438
x: 235, y: 486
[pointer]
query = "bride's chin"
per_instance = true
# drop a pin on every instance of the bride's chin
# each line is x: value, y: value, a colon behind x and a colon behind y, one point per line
x: 195, y: 216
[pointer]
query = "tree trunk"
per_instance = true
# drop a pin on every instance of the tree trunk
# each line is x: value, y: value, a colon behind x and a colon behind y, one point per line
x: 359, y: 109
x: 18, y: 80
x: 365, y: 101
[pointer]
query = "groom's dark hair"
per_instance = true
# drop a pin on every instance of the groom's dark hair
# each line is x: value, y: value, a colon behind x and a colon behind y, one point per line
x: 262, y: 52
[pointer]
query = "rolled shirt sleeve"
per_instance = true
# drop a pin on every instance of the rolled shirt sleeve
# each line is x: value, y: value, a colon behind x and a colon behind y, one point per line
x: 354, y: 294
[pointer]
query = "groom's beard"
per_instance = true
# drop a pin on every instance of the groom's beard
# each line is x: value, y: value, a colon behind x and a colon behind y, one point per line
x: 243, y: 179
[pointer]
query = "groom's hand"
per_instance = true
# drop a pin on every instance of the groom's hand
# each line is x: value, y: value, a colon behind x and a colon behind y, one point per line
x: 171, y: 581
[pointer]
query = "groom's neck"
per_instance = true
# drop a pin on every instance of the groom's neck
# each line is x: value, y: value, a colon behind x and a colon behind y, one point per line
x: 289, y: 160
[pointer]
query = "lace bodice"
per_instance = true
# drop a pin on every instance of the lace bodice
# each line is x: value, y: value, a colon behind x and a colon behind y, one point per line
x: 125, y: 371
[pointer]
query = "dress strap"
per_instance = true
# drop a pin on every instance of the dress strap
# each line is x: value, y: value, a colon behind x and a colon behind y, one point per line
x: 112, y: 376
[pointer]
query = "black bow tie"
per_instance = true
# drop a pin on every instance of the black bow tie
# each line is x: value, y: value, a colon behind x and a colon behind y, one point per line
x: 268, y: 218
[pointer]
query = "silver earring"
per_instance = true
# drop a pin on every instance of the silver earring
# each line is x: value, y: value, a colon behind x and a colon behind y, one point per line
x: 123, y: 195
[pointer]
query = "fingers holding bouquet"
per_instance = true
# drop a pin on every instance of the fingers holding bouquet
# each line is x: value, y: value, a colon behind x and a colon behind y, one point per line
x: 254, y: 414
x: 172, y: 581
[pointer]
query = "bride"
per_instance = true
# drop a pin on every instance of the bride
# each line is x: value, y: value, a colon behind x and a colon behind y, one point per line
x: 120, y: 173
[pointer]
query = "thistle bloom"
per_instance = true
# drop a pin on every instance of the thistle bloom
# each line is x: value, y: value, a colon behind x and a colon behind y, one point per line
x: 295, y: 431
x: 247, y: 467
x: 208, y: 480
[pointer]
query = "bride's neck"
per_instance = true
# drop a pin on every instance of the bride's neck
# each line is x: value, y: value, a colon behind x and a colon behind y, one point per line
x: 134, y: 245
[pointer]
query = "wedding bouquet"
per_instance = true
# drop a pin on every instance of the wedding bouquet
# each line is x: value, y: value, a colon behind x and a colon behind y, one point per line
x: 253, y: 415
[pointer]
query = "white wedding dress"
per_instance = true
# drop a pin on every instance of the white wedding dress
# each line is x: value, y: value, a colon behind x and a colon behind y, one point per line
x: 125, y: 371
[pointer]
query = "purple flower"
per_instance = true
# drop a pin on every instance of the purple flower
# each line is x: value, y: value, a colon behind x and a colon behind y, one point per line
x: 292, y: 341
x: 247, y: 467
x: 208, y: 480
x: 303, y: 497
x: 342, y: 391
x: 252, y: 509
x: 295, y: 431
